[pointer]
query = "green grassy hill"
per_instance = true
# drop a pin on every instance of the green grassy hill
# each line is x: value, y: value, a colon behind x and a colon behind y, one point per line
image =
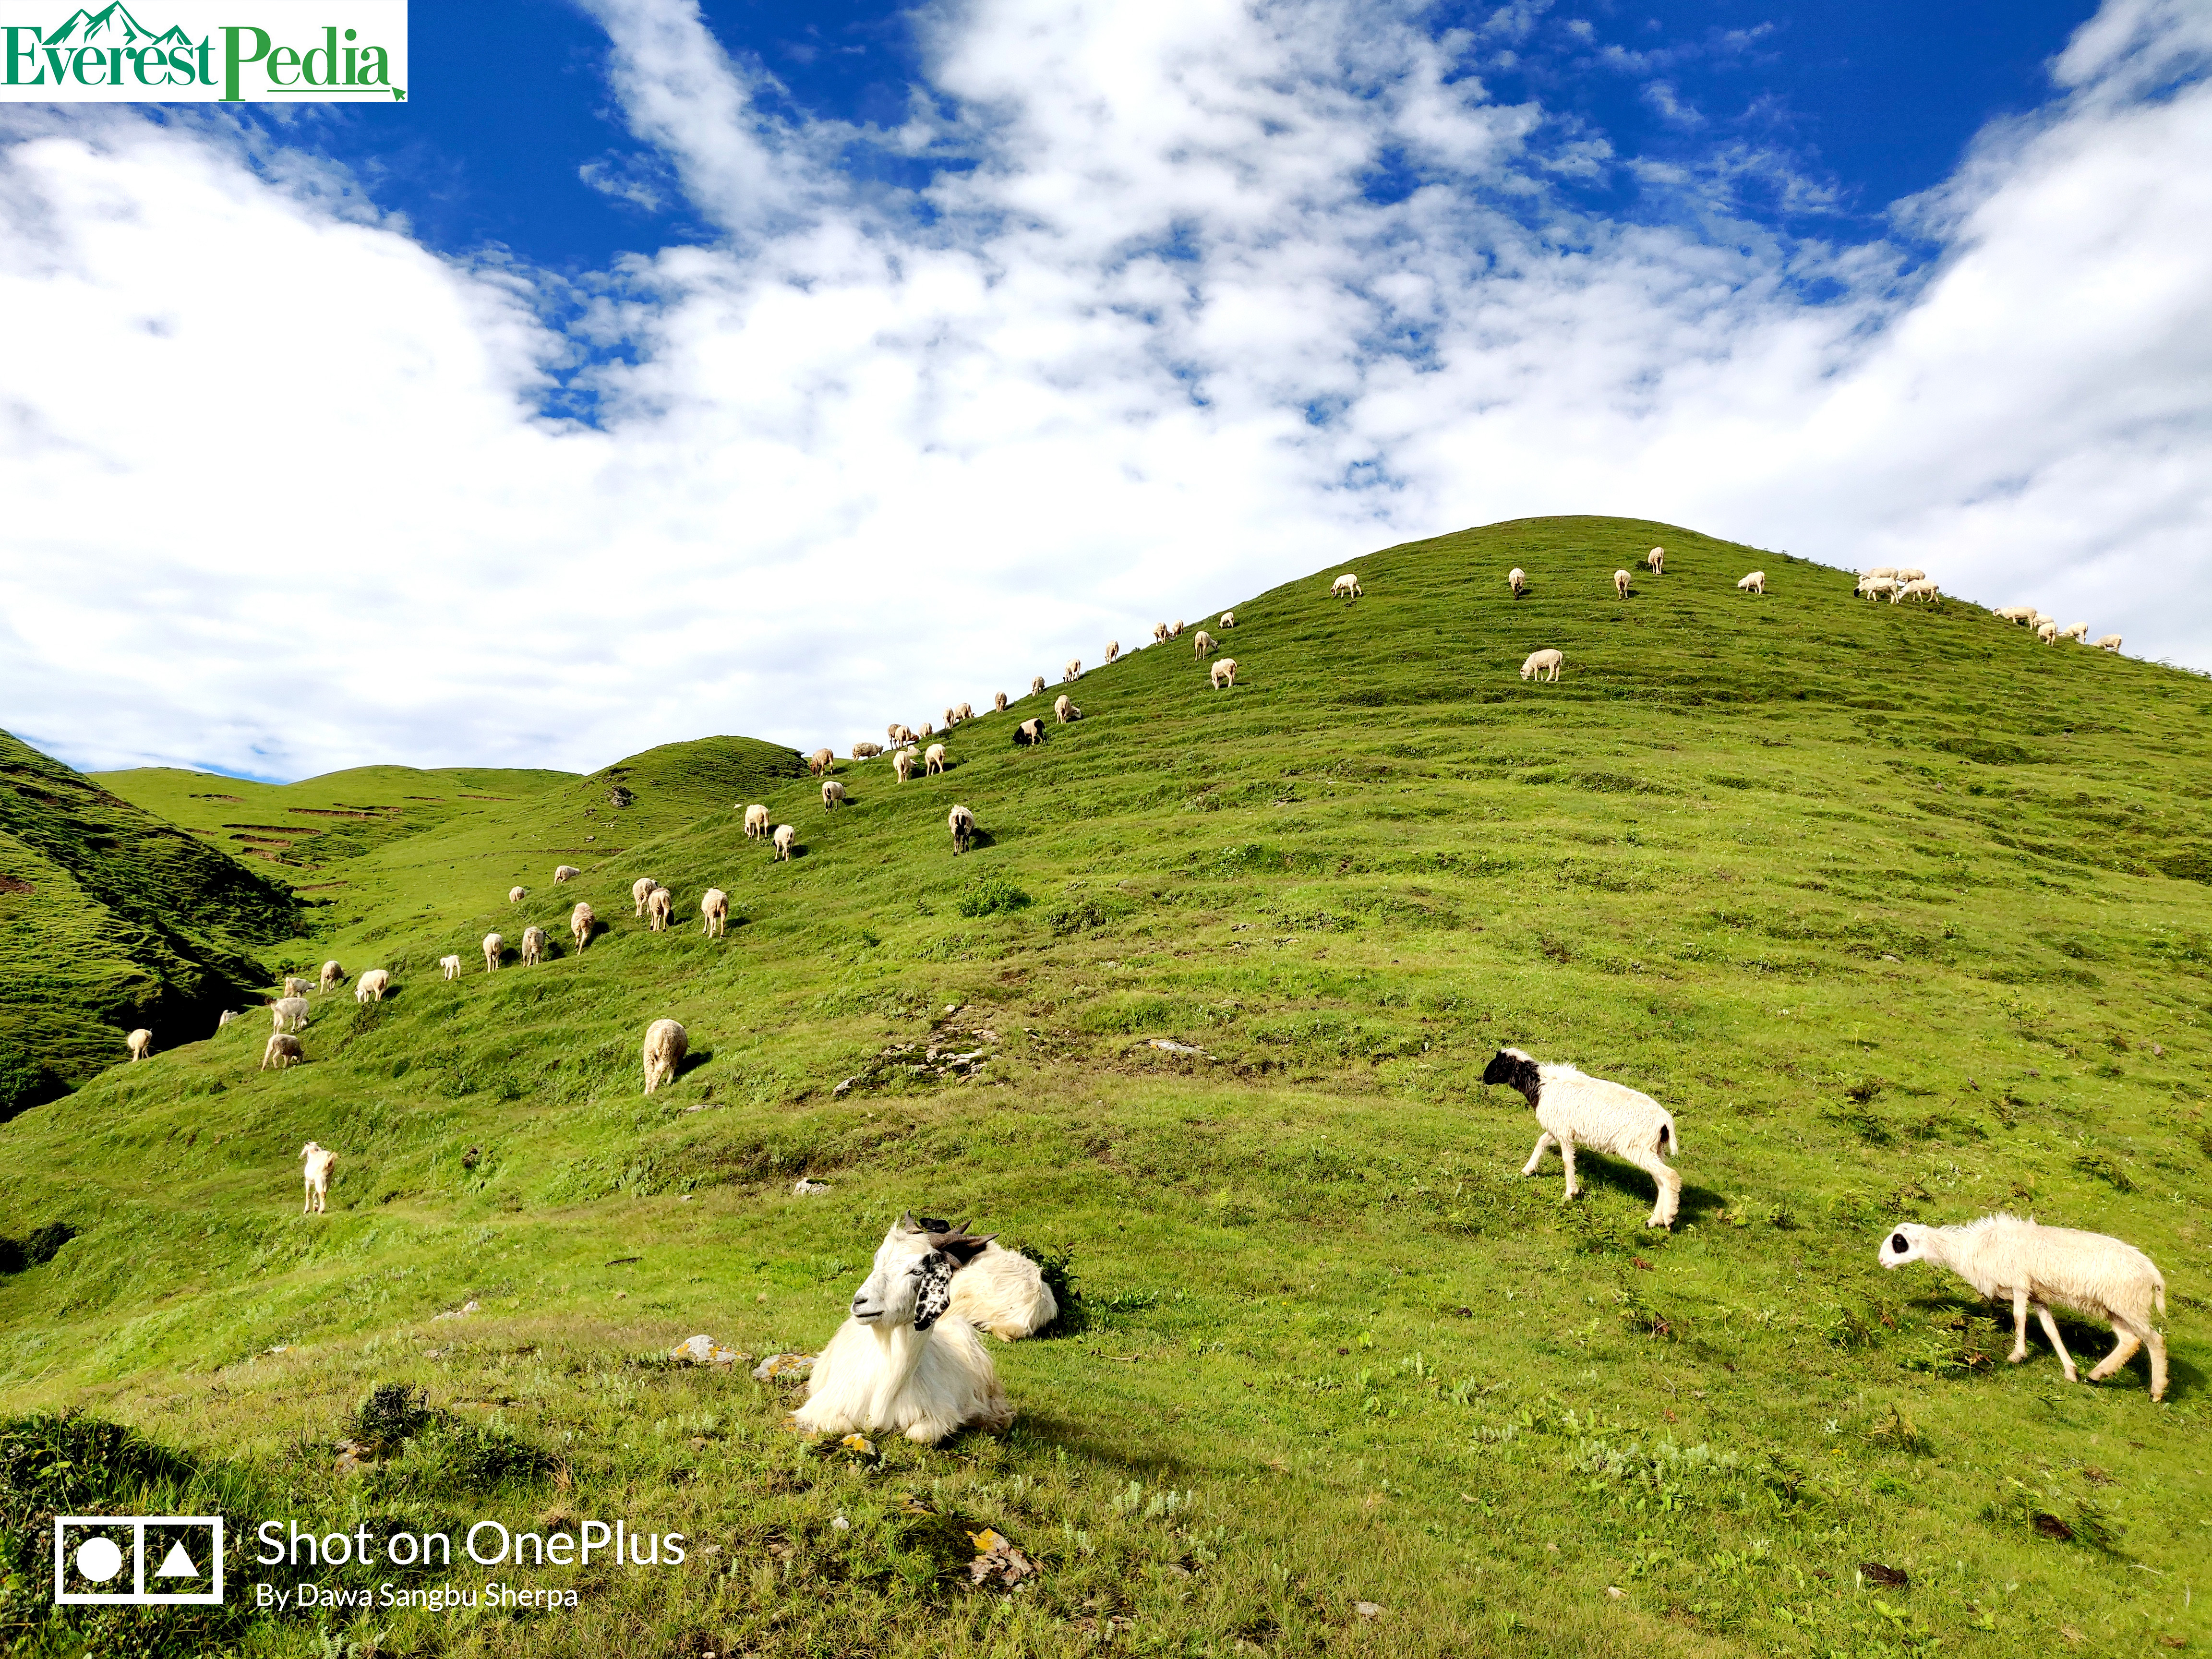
x: 110, y: 918
x: 1901, y: 914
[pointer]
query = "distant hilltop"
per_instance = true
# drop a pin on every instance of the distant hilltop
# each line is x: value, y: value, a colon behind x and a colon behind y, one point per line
x: 112, y: 24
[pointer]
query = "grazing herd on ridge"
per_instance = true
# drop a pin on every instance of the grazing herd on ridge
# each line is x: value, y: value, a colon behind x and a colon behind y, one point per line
x: 908, y: 1359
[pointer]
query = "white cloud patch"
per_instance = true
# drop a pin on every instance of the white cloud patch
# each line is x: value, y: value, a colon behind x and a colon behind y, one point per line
x: 281, y: 499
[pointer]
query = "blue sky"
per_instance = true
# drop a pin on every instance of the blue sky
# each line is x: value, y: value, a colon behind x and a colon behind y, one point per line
x: 654, y: 371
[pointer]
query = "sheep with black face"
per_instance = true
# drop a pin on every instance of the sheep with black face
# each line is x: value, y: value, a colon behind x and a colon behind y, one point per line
x: 903, y: 1361
x: 1574, y: 1108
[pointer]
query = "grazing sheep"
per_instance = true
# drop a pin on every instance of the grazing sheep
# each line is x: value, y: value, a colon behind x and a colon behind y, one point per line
x: 786, y: 838
x: 1656, y: 561
x: 283, y: 1050
x: 962, y: 822
x: 756, y: 823
x: 289, y: 1013
x: 715, y: 906
x: 1036, y: 686
x: 1887, y: 571
x: 1224, y: 671
x: 819, y: 761
x: 1072, y: 672
x: 1620, y: 583
x: 1175, y: 629
x: 902, y: 764
x: 1064, y: 709
x: 1113, y: 651
x: 566, y: 873
x: 2015, y: 613
x: 1159, y: 632
x: 230, y: 1014
x: 331, y: 974
x: 926, y: 730
x: 1607, y: 1117
x: 899, y: 733
x: 866, y: 751
x: 296, y: 987
x: 452, y: 965
x: 932, y: 758
x: 1345, y: 586
x: 833, y: 794
x: 661, y: 905
x: 2079, y: 633
x: 1754, y: 583
x: 372, y: 985
x: 2003, y: 1257
x: 317, y: 1163
x: 582, y: 924
x: 494, y: 947
x: 516, y: 895
x: 534, y: 941
x: 1517, y: 580
x: 665, y: 1045
x: 2037, y: 621
x: 1029, y: 734
x: 999, y: 703
x: 2047, y: 632
x: 140, y: 1042
x: 1906, y: 573
x: 1925, y: 590
x: 640, y: 891
x: 1200, y: 643
x: 1227, y: 619
x: 903, y: 1362
x: 2109, y: 642
x: 950, y: 722
x: 1543, y: 664
x: 1872, y: 587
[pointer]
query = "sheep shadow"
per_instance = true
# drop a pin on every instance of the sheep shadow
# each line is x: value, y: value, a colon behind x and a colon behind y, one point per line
x: 980, y: 839
x: 692, y: 1060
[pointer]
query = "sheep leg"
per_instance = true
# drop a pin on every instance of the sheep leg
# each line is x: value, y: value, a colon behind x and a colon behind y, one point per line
x: 2050, y: 1329
x: 1544, y: 1144
x: 2156, y: 1344
x: 1669, y: 1199
x: 2123, y: 1351
x: 1567, y: 1157
x: 2018, y: 1328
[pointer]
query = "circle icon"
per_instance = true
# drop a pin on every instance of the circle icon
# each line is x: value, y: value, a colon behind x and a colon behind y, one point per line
x: 99, y: 1559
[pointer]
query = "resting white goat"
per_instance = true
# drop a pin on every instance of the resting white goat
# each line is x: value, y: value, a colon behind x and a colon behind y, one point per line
x: 1574, y: 1108
x: 2005, y: 1258
x: 665, y: 1045
x: 714, y: 908
x: 316, y: 1171
x: 533, y: 947
x: 756, y: 823
x: 903, y: 1362
x: 372, y: 985
x: 452, y: 965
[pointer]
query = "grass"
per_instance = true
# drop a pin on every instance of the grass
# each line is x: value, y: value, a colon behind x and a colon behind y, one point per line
x: 1901, y: 914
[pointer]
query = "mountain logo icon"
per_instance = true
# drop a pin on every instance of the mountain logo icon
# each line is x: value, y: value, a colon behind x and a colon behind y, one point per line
x: 176, y: 1564
x: 113, y: 25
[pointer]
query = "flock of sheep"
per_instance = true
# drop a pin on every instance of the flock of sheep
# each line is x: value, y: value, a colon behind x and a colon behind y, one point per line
x: 908, y: 1359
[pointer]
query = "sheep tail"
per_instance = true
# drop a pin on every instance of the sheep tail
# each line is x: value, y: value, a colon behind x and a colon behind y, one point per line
x: 1670, y: 1139
x: 2159, y: 1286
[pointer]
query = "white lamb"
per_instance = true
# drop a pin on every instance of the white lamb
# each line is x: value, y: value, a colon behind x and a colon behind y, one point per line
x: 1064, y: 709
x: 289, y: 1013
x: 372, y: 985
x: 581, y: 924
x: 660, y: 909
x: 318, y: 1161
x: 902, y: 764
x: 962, y: 822
x: 756, y: 823
x: 786, y: 838
x: 903, y: 1362
x: 665, y: 1046
x: 331, y: 974
x: 516, y: 895
x: 1620, y: 583
x: 1574, y: 1108
x: 1345, y: 586
x: 283, y: 1051
x: 640, y: 891
x: 2109, y: 642
x: 833, y: 793
x: 140, y: 1043
x: 494, y: 948
x: 932, y: 758
x: 2003, y: 1257
x: 1656, y: 561
x: 566, y: 873
x: 1227, y: 619
x: 1224, y: 673
x: 452, y: 965
x: 1517, y: 580
x: 1543, y: 664
x: 1754, y: 583
x: 534, y: 941
x: 714, y: 908
x: 1202, y: 643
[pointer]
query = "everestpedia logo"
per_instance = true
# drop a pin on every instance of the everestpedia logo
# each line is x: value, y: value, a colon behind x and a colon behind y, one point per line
x: 287, y: 52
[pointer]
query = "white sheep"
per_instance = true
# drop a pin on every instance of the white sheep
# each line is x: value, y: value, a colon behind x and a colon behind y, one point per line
x: 2079, y: 633
x: 2047, y: 632
x: 1620, y: 583
x: 494, y: 948
x: 225, y: 1017
x: 932, y: 758
x: 1159, y: 632
x: 296, y: 987
x: 1874, y: 587
x: 331, y: 974
x: 289, y: 1013
x: 833, y: 794
x: 1227, y: 619
x: 2004, y: 1257
x: 451, y: 966
x: 903, y: 1362
x: 283, y: 1050
x: 317, y: 1163
x: 665, y: 1045
x: 949, y: 720
x: 2014, y: 613
x: 1029, y: 734
x: 999, y: 703
x: 1224, y: 671
x: 1072, y: 672
x: 1922, y: 588
x: 1345, y: 586
x: 1887, y: 571
x: 866, y: 751
x: 1064, y: 709
x: 1543, y: 664
x: 1036, y: 686
x: 1574, y: 1108
x: 785, y: 838
x: 660, y: 909
x: 1656, y: 561
x: 1753, y: 583
x: 2039, y: 619
x: 1517, y: 580
x: 640, y: 891
x: 140, y: 1042
x: 534, y: 941
x: 566, y: 873
x: 516, y: 895
x: 902, y: 765
x: 965, y: 711
x: 1175, y: 629
x: 1002, y: 1292
x: 756, y: 822
x: 1909, y: 573
x: 583, y: 923
x: 372, y: 985
x: 962, y: 822
x: 2109, y: 642
x: 819, y: 761
x: 1200, y: 643
x: 715, y: 911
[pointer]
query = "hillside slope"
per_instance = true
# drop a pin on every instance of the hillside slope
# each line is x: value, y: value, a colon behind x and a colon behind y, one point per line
x: 1899, y: 913
x: 110, y: 918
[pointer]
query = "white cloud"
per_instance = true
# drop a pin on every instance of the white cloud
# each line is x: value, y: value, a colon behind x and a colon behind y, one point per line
x: 279, y: 498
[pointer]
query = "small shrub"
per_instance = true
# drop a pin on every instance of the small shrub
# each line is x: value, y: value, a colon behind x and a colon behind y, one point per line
x: 2104, y: 1167
x: 392, y: 1415
x: 1899, y: 1432
x: 991, y: 895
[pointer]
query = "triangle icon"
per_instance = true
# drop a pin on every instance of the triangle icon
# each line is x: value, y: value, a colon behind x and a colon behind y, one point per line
x: 176, y: 1564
